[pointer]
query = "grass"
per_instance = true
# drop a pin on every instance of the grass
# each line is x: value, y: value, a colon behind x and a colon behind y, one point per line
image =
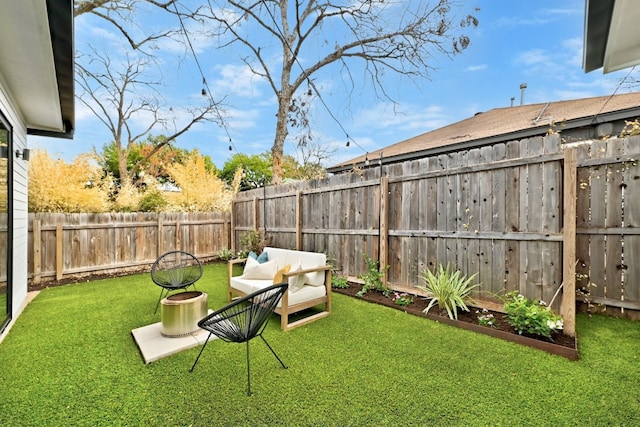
x: 70, y: 360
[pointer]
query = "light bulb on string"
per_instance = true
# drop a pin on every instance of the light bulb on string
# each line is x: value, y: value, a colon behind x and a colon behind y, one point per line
x: 366, y: 159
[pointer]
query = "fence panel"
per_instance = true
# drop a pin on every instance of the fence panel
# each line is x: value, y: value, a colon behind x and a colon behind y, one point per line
x: 496, y: 211
x: 75, y: 245
x: 608, y: 225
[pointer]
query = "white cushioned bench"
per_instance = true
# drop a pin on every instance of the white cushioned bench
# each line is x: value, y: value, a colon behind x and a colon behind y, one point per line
x: 308, y: 276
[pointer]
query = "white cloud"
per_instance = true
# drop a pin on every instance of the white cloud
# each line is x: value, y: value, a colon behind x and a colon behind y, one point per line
x: 237, y: 80
x: 478, y: 67
x: 406, y: 117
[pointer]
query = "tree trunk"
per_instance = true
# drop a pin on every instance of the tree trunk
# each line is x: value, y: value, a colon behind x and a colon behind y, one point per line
x: 282, y: 130
x: 123, y: 155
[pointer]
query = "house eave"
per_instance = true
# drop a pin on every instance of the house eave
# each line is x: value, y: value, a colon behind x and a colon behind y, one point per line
x: 611, y: 39
x: 37, y: 64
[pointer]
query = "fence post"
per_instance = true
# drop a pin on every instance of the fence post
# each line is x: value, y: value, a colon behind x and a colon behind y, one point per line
x: 59, y: 249
x: 299, y: 220
x: 232, y: 227
x: 568, y: 307
x: 256, y: 213
x: 384, y: 230
x: 160, y: 231
x: 178, y: 245
x: 37, y: 249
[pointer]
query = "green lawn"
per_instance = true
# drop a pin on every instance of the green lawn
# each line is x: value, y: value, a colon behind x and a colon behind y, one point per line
x: 70, y: 360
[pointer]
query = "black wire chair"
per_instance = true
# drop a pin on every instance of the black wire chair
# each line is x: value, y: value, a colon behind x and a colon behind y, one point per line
x: 175, y: 270
x: 242, y: 320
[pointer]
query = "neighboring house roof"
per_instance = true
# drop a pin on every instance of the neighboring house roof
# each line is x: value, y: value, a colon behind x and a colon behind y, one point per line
x: 611, y: 37
x: 505, y: 124
x: 36, y: 63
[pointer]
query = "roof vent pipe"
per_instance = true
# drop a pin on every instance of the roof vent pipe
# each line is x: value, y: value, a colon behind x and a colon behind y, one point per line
x: 513, y: 98
x: 523, y: 86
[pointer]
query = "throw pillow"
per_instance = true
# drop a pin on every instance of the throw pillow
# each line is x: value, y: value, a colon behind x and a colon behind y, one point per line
x: 263, y: 257
x: 296, y: 282
x: 260, y: 271
x: 279, y: 277
x: 249, y: 263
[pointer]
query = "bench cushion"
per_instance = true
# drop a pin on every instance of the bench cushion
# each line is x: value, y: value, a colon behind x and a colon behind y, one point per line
x: 306, y: 259
x: 254, y: 270
x: 306, y: 293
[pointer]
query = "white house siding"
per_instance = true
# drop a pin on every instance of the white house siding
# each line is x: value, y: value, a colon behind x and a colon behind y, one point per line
x: 20, y: 225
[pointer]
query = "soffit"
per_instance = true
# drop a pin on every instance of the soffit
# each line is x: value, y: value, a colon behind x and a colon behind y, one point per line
x: 27, y: 64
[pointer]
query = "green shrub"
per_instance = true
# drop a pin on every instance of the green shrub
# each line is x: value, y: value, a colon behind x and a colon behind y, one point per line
x: 450, y: 290
x: 152, y: 201
x: 373, y: 278
x: 339, y: 281
x: 225, y: 254
x: 252, y: 241
x: 531, y: 317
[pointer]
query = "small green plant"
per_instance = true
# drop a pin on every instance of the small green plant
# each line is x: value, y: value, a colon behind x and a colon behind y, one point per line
x: 339, y: 281
x: 225, y: 254
x: 373, y: 278
x: 486, y: 318
x: 402, y: 299
x: 531, y: 317
x: 450, y: 290
x: 252, y: 241
x: 152, y: 201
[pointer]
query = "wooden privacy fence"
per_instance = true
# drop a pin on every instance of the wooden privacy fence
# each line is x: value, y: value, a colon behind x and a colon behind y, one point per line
x: 73, y: 245
x: 496, y: 211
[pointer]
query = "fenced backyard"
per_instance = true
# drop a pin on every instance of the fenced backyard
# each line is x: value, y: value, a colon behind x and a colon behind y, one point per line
x: 68, y: 246
x: 498, y: 211
x: 525, y: 215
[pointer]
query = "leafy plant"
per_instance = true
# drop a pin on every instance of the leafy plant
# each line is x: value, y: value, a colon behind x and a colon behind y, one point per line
x: 402, y: 299
x: 531, y: 316
x: 450, y: 290
x: 253, y: 240
x: 373, y: 278
x: 225, y: 254
x: 339, y: 281
x: 152, y: 201
x: 486, y: 318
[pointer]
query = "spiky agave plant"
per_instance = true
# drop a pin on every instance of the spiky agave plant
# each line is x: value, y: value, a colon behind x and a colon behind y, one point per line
x: 449, y: 289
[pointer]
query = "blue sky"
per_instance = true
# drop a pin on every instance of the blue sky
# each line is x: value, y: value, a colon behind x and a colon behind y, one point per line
x: 534, y: 42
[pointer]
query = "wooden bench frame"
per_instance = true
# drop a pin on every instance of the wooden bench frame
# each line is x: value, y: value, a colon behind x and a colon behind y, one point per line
x: 285, y: 309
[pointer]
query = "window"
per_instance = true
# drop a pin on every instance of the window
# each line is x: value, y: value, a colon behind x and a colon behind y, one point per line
x: 6, y: 224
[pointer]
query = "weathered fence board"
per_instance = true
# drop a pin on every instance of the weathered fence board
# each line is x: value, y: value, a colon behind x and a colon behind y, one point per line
x: 73, y: 245
x: 496, y: 211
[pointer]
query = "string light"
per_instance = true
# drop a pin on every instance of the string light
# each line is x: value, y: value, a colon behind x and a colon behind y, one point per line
x: 366, y: 159
x: 206, y: 91
x: 310, y: 82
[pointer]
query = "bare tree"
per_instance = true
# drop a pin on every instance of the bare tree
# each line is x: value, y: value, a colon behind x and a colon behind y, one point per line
x: 401, y: 37
x: 125, y: 99
x: 120, y: 14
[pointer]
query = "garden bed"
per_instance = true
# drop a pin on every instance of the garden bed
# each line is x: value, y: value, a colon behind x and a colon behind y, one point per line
x: 561, y: 345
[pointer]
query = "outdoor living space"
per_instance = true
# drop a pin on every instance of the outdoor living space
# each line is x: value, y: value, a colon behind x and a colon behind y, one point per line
x: 72, y: 361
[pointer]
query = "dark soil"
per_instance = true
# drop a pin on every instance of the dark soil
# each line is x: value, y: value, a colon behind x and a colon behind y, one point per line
x: 420, y: 303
